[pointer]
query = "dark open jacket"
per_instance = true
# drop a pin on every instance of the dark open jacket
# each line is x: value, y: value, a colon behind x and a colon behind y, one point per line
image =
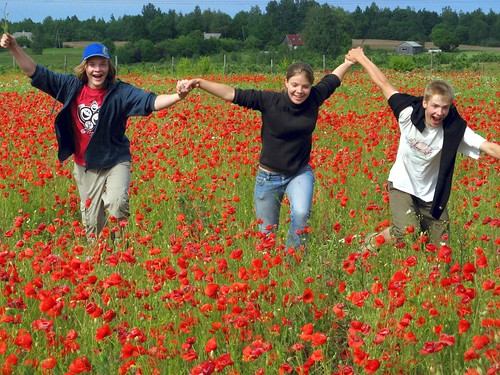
x: 109, y: 144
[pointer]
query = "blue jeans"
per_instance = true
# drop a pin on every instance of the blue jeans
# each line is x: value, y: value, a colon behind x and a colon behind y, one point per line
x: 268, y: 195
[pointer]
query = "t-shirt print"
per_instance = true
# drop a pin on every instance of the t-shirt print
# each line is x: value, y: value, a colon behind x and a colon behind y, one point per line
x: 421, y: 148
x: 88, y: 116
x: 85, y: 112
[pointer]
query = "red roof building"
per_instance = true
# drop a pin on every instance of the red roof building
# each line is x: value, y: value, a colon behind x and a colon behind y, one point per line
x: 293, y: 41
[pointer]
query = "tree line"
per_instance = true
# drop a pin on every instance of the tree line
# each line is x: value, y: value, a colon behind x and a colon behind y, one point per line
x: 155, y: 35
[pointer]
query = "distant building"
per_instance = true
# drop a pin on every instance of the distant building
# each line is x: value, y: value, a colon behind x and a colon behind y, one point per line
x: 211, y: 35
x: 26, y: 34
x: 409, y: 48
x: 293, y: 41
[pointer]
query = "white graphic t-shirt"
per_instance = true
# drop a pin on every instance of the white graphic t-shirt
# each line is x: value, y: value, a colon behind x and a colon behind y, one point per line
x: 419, y: 153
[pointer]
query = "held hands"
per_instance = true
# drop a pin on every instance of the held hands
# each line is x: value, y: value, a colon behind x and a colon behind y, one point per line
x: 355, y: 54
x: 185, y: 86
x: 181, y: 88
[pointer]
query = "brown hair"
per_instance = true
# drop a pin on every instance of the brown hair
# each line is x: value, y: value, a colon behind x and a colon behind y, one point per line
x: 441, y: 88
x: 82, y: 75
x: 300, y: 68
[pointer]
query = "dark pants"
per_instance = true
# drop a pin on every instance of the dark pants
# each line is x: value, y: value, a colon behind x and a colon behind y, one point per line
x: 408, y: 210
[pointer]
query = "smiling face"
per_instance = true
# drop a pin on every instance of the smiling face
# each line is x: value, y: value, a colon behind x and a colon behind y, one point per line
x: 298, y: 88
x: 96, y: 69
x: 436, y: 108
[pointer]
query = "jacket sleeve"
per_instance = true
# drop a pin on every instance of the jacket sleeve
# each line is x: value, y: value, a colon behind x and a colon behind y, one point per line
x: 399, y: 101
x: 137, y: 101
x: 57, y: 85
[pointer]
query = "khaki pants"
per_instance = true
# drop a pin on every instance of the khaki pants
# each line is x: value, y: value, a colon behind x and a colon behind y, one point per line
x: 101, y: 191
x: 408, y: 210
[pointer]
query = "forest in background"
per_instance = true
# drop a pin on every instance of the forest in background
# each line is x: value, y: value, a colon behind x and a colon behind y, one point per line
x: 155, y: 35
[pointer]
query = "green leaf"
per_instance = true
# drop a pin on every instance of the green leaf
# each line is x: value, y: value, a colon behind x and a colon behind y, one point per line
x: 5, y: 25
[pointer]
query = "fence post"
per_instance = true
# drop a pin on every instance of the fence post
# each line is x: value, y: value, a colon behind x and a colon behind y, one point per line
x: 225, y: 64
x: 272, y: 66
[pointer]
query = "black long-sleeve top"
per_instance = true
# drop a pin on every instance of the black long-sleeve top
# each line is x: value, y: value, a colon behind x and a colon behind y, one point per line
x: 287, y: 127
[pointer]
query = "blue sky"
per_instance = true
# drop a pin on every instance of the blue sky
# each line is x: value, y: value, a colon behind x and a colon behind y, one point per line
x: 38, y: 10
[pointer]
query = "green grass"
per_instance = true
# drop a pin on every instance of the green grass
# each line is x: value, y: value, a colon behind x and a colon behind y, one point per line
x: 62, y: 59
x: 193, y: 160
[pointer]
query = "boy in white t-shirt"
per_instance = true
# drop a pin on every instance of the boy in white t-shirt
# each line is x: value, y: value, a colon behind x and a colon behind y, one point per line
x: 432, y: 133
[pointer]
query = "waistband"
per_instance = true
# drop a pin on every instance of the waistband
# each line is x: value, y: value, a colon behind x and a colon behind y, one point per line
x: 267, y: 169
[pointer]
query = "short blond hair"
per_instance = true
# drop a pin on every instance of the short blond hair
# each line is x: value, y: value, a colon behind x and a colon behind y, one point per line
x: 441, y: 88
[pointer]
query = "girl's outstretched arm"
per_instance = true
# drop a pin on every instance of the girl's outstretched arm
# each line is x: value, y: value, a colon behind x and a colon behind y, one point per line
x: 342, y: 69
x: 220, y: 90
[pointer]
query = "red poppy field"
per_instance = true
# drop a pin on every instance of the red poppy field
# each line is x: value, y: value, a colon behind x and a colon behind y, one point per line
x: 193, y: 288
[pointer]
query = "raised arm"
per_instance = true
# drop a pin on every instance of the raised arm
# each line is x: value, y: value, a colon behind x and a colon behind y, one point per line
x: 220, y: 90
x: 357, y: 55
x: 342, y: 69
x: 25, y: 62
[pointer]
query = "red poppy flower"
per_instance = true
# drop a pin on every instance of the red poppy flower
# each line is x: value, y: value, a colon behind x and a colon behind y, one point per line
x: 223, y: 361
x: 488, y: 285
x: 23, y: 339
x: 470, y: 354
x: 211, y: 290
x: 431, y: 347
x: 42, y: 324
x: 308, y: 296
x: 49, y: 363
x: 372, y: 365
x: 317, y: 355
x: 210, y: 345
x: 318, y: 338
x: 80, y: 365
x: 103, y: 332
x: 88, y: 202
x: 463, y: 326
x: 446, y: 340
x: 480, y: 341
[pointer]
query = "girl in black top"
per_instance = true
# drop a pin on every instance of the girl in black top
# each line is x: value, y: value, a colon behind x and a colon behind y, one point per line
x: 288, y: 121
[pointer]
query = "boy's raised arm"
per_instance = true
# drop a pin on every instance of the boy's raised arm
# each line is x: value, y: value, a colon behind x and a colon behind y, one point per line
x: 358, y: 56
